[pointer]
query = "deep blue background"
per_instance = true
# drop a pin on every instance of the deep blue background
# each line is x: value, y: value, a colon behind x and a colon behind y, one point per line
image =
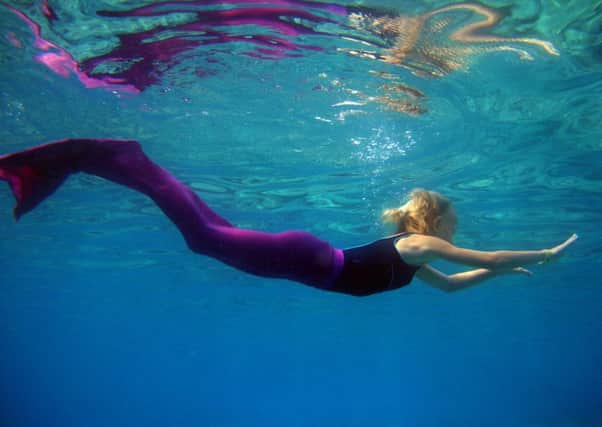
x: 107, y: 319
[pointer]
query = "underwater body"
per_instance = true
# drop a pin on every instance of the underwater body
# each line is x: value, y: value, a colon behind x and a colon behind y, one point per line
x: 315, y: 116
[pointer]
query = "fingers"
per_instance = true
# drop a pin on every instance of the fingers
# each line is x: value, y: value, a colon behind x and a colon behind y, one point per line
x: 524, y: 271
x: 568, y: 241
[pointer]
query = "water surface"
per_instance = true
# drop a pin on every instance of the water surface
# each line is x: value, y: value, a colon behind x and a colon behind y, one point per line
x: 315, y: 116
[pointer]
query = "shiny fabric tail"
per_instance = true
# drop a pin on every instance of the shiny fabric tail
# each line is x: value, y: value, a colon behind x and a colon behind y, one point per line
x: 35, y: 173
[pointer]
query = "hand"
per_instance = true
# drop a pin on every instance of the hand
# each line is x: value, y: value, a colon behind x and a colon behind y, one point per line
x: 515, y: 270
x: 555, y: 252
x: 521, y: 270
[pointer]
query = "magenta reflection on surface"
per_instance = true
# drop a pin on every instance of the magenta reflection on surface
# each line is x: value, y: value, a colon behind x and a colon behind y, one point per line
x: 47, y: 11
x: 62, y: 63
x: 140, y: 59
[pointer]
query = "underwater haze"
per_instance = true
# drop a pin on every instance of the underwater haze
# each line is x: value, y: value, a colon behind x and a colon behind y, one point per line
x: 305, y: 115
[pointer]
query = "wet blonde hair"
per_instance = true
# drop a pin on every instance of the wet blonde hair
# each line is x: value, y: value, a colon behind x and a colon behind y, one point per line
x: 419, y: 214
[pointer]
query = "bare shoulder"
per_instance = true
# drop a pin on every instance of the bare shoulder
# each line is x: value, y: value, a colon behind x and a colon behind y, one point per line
x: 417, y: 249
x: 419, y: 242
x: 420, y: 249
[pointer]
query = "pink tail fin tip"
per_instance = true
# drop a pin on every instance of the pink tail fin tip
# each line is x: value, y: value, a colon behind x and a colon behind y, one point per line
x: 29, y: 186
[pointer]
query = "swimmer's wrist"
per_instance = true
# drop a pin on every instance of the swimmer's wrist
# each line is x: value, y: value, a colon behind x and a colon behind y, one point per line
x: 546, y: 255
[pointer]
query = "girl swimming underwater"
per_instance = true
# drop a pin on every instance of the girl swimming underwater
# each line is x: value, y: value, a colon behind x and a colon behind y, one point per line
x: 425, y: 226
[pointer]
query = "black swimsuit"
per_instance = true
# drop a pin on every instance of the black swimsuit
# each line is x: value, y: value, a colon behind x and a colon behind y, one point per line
x: 372, y: 268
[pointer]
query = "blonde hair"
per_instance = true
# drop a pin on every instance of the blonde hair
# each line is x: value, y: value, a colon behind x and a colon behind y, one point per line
x: 419, y: 214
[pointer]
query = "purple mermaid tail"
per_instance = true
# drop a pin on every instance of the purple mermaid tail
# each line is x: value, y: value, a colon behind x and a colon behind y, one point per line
x: 36, y: 173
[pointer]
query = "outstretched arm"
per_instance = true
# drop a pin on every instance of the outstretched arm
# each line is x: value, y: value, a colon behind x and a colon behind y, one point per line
x: 466, y: 279
x: 420, y: 250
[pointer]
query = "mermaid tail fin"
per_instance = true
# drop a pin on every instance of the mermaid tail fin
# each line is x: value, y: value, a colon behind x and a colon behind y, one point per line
x: 33, y: 175
x: 36, y: 173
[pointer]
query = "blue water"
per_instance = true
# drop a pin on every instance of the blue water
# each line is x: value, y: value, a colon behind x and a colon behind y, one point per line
x: 106, y: 319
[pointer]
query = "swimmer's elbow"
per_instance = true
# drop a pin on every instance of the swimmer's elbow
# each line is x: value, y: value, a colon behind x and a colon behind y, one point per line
x: 450, y: 285
x: 436, y: 278
x: 443, y: 283
x: 496, y: 260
